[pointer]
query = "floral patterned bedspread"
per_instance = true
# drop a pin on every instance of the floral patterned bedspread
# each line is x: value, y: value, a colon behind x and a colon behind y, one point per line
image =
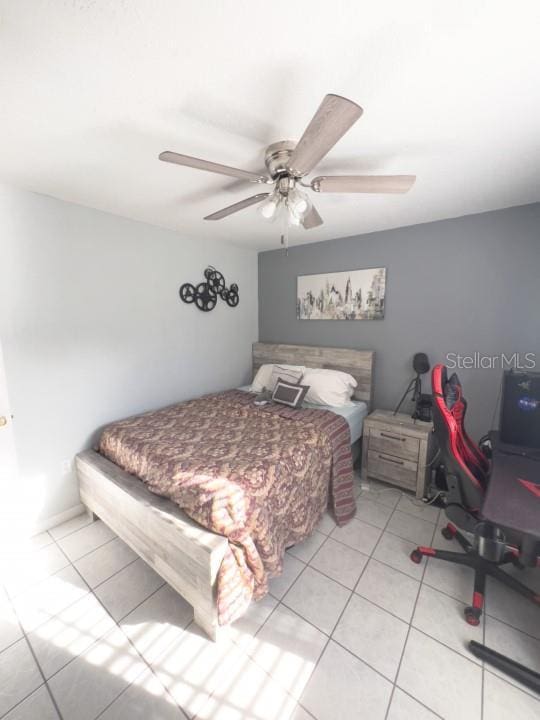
x: 260, y: 476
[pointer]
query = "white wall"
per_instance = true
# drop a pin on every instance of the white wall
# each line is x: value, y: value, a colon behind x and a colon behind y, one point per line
x: 93, y: 330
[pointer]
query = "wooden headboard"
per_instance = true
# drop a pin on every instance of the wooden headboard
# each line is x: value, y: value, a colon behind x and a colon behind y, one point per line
x: 358, y: 363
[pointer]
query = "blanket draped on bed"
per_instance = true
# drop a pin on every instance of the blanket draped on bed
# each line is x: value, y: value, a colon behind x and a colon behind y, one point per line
x: 260, y: 476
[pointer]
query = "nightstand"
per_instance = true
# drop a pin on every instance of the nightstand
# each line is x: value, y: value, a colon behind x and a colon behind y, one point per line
x: 398, y: 450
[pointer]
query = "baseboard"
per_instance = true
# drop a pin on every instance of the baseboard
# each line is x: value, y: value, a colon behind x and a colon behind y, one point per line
x: 54, y: 520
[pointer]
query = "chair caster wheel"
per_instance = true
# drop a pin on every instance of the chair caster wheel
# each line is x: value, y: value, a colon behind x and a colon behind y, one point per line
x: 448, y: 532
x: 416, y: 557
x: 472, y: 616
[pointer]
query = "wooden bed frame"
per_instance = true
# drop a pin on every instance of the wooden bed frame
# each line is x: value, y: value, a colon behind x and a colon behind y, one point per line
x: 182, y: 552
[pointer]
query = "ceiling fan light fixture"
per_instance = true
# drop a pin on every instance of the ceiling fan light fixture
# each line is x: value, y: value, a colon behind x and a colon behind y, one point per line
x: 268, y: 209
x: 299, y: 205
x: 294, y: 219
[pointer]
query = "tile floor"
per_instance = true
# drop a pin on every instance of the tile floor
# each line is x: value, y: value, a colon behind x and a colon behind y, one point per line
x: 351, y: 629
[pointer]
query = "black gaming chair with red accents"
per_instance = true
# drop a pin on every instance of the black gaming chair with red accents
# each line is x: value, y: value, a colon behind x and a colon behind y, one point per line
x: 466, y: 473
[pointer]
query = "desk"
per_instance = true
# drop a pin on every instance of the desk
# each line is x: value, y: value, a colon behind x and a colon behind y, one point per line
x: 508, y: 502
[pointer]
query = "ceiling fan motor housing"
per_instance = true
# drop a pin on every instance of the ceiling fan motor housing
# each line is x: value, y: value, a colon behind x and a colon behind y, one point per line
x: 277, y: 157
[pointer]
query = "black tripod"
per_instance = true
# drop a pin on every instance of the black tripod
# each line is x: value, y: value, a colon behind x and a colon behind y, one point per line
x: 416, y: 386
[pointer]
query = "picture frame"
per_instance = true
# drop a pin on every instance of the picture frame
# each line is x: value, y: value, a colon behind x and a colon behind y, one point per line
x: 343, y: 295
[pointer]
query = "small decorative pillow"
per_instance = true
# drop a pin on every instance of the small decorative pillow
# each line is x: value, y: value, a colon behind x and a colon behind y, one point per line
x: 263, y: 377
x: 287, y: 373
x: 288, y: 393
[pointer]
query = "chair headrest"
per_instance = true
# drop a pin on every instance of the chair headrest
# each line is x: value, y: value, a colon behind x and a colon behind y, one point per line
x: 452, y: 391
x: 446, y: 391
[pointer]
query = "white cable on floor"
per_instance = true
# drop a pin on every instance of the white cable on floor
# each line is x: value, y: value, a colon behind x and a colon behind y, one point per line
x: 413, y: 501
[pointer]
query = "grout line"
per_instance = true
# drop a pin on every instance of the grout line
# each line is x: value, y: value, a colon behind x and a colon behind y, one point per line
x: 74, y: 560
x: 337, y: 642
x: 408, y: 633
x: 352, y: 593
x: 342, y: 612
x: 51, y: 617
x: 130, y: 685
x: 26, y: 697
x: 302, y: 571
x: 353, y: 590
x: 385, y: 526
x: 100, y: 638
x: 34, y: 584
x: 519, y: 630
x: 421, y: 582
x: 384, y: 529
x: 244, y: 656
x: 31, y: 649
x: 114, y: 574
x: 416, y: 700
x: 279, y: 602
x: 382, y: 532
x: 464, y: 602
x: 89, y: 589
x: 448, y: 647
x: 72, y: 532
x: 487, y: 668
x: 142, y: 601
x: 401, y: 494
x: 53, y: 699
x: 520, y: 688
x: 137, y: 653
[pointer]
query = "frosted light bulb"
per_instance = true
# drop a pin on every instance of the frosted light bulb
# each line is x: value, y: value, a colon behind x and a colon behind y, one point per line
x: 294, y: 219
x: 298, y: 203
x: 269, y: 207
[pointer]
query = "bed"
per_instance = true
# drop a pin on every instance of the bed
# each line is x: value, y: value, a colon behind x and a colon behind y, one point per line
x: 251, y: 482
x: 354, y: 415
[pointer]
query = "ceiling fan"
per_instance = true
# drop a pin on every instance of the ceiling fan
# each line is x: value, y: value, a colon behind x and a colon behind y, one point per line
x: 288, y: 163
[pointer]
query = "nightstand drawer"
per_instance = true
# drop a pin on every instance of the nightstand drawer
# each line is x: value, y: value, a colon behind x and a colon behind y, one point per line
x: 393, y: 443
x: 392, y: 469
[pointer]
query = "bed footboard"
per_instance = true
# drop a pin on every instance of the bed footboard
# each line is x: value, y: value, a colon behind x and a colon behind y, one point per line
x: 183, y: 553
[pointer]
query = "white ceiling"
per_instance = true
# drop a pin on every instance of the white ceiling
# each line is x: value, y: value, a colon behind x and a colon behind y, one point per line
x: 92, y: 90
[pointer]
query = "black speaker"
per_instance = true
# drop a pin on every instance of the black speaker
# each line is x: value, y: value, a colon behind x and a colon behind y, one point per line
x: 420, y: 363
x: 422, y: 403
x: 520, y: 409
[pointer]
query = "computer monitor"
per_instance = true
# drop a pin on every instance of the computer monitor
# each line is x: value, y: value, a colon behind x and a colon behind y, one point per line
x: 520, y: 409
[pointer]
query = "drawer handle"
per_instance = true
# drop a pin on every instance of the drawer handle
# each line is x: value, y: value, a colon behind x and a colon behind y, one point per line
x: 393, y: 437
x: 392, y: 460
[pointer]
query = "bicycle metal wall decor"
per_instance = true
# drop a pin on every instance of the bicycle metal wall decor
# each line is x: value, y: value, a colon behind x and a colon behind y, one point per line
x: 205, y: 294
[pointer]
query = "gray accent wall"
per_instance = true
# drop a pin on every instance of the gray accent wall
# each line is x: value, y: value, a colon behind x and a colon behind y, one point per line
x: 466, y: 285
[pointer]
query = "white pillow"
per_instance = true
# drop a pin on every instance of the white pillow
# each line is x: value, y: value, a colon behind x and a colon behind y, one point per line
x: 329, y: 387
x: 286, y: 373
x: 263, y: 378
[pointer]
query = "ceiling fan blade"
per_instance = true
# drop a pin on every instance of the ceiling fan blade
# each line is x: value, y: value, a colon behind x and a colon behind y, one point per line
x: 363, y: 183
x: 312, y: 219
x: 230, y: 209
x: 334, y: 117
x: 199, y: 164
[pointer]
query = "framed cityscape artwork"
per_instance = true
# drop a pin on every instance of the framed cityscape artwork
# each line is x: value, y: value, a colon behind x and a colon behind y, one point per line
x: 349, y: 295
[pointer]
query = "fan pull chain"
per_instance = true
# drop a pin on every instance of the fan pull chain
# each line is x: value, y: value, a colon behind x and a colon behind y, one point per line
x: 285, y: 230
